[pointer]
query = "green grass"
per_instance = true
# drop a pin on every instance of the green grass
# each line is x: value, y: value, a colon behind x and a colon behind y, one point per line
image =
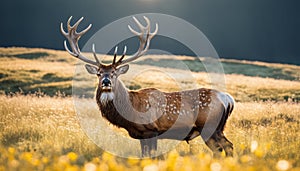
x: 256, y: 70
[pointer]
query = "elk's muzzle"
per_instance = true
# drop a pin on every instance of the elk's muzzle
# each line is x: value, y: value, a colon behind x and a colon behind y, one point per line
x: 106, y: 84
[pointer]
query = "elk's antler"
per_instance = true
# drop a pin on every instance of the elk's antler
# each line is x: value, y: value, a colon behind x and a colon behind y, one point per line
x: 144, y: 36
x: 73, y: 36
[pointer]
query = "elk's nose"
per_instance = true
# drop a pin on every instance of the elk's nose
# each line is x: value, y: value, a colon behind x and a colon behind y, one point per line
x: 106, y: 82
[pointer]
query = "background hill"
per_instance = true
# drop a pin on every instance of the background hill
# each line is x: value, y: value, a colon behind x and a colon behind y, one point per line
x: 30, y: 70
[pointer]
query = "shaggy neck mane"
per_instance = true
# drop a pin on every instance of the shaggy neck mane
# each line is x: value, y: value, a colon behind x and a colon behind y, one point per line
x: 119, y: 101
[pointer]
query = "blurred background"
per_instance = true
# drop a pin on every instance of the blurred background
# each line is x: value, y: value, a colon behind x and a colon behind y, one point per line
x: 253, y: 30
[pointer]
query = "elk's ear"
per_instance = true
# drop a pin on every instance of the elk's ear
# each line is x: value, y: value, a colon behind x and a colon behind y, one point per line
x: 122, y: 69
x: 91, y: 69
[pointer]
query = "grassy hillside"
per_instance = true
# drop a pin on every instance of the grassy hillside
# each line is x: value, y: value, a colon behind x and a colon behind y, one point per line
x: 52, y: 72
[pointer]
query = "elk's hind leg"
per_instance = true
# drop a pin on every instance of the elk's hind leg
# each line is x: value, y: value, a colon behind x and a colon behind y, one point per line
x: 226, y: 144
x: 148, y: 146
x: 218, y: 142
x: 214, y: 144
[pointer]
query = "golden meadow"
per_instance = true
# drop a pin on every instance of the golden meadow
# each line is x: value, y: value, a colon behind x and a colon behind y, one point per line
x: 39, y: 128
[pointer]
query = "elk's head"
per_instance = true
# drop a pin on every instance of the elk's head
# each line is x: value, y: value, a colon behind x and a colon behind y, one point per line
x: 108, y: 73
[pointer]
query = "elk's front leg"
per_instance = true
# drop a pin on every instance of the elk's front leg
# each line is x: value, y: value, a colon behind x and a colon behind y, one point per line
x: 148, y: 146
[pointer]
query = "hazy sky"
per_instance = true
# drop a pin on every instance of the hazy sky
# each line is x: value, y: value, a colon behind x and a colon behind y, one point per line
x: 266, y: 30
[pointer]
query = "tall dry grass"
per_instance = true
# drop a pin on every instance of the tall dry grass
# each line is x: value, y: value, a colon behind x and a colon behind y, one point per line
x: 263, y: 133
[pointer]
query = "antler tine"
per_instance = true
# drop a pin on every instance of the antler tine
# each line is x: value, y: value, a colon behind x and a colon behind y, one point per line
x: 149, y: 36
x: 148, y: 24
x: 122, y: 57
x: 155, y: 31
x: 95, y: 55
x: 84, y: 31
x: 124, y: 51
x: 141, y: 27
x: 69, y: 23
x: 139, y: 24
x: 144, y: 41
x: 62, y: 29
x: 67, y: 49
x: 73, y: 37
x: 115, y: 55
x: 76, y: 24
x: 133, y: 31
x: 116, y: 50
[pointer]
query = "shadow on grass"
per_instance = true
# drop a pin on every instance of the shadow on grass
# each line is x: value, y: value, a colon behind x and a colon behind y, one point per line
x: 41, y: 84
x: 50, y: 77
x: 12, y: 138
x: 267, y: 121
x: 34, y: 55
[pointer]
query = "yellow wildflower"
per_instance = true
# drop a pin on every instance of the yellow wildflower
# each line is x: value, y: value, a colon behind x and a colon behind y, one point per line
x: 11, y: 150
x: 107, y: 156
x: 27, y: 156
x: 72, y: 156
x: 14, y: 164
x: 259, y: 153
x: 133, y: 161
x: 35, y: 162
x: 72, y: 168
x: 146, y: 162
x: 45, y: 160
x: 245, y: 159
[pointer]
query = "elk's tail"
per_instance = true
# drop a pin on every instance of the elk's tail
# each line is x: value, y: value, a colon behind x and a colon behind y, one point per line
x: 228, y: 103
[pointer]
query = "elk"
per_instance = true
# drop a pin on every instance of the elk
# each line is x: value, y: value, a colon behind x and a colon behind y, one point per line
x: 150, y: 114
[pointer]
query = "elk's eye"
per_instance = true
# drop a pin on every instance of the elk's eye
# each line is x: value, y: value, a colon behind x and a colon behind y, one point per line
x: 99, y: 74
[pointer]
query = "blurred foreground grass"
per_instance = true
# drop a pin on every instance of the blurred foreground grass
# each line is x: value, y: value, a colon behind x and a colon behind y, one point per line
x: 43, y: 133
